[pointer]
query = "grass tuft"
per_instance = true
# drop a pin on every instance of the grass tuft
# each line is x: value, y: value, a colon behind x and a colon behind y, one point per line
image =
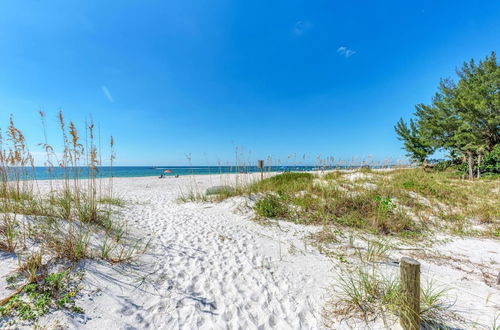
x: 365, y: 293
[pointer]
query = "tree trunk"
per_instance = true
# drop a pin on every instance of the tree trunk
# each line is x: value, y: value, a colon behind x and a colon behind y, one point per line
x: 470, y: 161
x: 424, y: 164
x: 479, y: 156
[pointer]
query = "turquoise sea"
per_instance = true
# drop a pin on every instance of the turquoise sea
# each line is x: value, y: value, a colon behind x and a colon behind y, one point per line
x: 43, y: 173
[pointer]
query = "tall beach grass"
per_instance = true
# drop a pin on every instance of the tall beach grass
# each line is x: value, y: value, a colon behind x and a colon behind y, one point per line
x: 67, y: 218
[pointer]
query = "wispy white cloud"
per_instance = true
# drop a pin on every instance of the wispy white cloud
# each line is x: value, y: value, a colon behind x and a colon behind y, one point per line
x: 107, y: 94
x: 344, y: 51
x: 301, y: 27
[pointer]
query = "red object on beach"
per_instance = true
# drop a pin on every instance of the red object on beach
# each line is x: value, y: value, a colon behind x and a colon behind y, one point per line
x: 168, y: 171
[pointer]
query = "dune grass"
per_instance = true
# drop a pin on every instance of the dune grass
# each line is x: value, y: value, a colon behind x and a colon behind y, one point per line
x: 367, y: 293
x: 73, y: 218
x: 405, y: 202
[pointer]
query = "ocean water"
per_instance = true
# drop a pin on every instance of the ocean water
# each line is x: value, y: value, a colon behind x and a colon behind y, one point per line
x: 43, y: 173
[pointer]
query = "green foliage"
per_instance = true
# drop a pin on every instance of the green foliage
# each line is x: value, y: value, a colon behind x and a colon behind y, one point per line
x: 55, y: 291
x: 415, y: 143
x: 490, y: 164
x: 443, y: 165
x: 463, y: 118
x: 271, y: 206
x: 491, y: 161
x: 12, y: 280
x: 54, y: 281
x: 385, y: 204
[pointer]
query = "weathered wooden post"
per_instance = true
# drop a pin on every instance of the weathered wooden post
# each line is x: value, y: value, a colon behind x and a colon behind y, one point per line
x: 261, y: 166
x: 410, y: 294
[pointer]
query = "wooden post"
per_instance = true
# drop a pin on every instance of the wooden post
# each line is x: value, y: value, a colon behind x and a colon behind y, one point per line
x: 261, y: 166
x: 410, y: 294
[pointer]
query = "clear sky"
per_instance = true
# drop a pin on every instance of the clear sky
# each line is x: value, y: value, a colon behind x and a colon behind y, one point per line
x: 168, y: 78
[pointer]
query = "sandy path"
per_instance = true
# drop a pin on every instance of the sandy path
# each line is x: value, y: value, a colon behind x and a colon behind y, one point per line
x: 210, y: 268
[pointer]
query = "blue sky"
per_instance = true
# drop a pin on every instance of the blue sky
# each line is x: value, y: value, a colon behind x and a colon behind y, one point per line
x: 271, y: 78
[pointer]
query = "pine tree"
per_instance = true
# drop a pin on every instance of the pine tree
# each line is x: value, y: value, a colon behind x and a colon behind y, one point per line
x: 463, y: 118
x: 416, y: 145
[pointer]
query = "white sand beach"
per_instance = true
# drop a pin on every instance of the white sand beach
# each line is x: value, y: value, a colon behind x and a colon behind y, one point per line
x: 210, y: 266
x: 249, y: 165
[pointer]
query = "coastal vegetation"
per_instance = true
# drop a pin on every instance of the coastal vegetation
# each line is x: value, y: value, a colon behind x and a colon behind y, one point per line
x: 49, y: 226
x: 463, y: 120
x: 368, y: 292
x: 407, y: 203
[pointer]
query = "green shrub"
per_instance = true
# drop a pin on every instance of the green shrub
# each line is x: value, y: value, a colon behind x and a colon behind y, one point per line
x: 491, y: 161
x: 271, y: 206
x: 55, y: 291
x: 443, y: 165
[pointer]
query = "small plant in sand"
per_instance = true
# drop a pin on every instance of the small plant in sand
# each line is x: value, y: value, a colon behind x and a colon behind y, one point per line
x: 272, y: 206
x: 54, y: 291
x: 367, y: 294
